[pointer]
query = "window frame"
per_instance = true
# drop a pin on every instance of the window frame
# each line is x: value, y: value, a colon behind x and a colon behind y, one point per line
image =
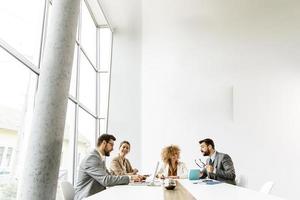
x: 96, y: 66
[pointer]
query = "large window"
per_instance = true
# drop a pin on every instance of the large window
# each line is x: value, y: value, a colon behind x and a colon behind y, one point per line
x: 21, y: 26
x: 22, y: 37
x: 17, y: 86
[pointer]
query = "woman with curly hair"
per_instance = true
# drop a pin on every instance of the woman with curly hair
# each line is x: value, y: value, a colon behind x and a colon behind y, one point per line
x: 172, y: 167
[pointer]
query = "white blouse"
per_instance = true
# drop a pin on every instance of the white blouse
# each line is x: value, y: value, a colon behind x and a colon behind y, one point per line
x: 182, y: 171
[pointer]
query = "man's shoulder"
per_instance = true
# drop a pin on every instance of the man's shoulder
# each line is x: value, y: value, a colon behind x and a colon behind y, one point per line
x: 221, y: 153
x: 223, y: 156
x: 92, y: 153
x: 91, y: 156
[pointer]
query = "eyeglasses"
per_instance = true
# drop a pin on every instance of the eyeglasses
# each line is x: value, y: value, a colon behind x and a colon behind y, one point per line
x: 199, y: 163
x: 111, y: 143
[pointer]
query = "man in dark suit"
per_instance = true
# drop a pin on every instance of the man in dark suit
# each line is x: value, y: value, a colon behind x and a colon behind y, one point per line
x: 93, y: 175
x: 219, y: 166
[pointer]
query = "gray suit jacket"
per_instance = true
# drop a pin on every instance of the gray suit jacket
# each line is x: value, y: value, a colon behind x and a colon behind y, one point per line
x: 93, y: 176
x: 224, y: 169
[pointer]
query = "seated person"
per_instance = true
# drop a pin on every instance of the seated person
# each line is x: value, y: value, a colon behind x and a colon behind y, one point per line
x: 219, y: 166
x: 93, y: 175
x: 120, y: 165
x: 172, y: 167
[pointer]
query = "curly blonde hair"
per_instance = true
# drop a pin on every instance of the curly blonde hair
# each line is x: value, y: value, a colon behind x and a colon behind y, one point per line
x: 169, y: 151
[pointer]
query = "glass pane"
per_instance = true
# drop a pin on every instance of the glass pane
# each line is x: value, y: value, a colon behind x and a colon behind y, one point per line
x: 87, y: 84
x: 86, y: 135
x: 105, y: 49
x: 17, y: 86
x: 103, y: 126
x: 21, y: 26
x: 104, y: 89
x: 8, y: 156
x: 1, y: 154
x: 49, y: 16
x: 74, y: 73
x: 88, y: 34
x: 66, y: 164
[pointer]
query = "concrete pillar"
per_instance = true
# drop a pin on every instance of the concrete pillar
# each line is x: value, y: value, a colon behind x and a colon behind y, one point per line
x: 41, y: 167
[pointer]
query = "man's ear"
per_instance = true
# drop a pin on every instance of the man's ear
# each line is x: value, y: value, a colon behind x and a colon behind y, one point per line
x: 209, y: 147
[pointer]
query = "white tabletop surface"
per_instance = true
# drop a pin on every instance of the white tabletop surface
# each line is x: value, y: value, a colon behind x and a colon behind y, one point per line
x: 130, y: 192
x: 201, y: 191
x: 223, y: 191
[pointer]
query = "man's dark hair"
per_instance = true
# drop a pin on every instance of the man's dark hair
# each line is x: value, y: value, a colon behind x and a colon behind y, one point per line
x: 208, y: 141
x: 124, y: 142
x: 105, y: 137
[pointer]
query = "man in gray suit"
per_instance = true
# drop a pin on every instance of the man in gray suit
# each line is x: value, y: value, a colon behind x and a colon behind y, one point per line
x: 219, y: 166
x: 93, y: 175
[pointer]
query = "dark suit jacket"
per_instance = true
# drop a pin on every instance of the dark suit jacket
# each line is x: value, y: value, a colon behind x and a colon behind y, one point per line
x: 224, y: 169
x: 93, y: 176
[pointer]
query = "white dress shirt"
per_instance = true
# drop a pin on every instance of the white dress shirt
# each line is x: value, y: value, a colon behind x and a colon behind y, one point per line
x: 182, y: 171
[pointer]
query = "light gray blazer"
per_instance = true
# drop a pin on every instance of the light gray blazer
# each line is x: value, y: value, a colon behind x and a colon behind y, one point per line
x: 224, y: 169
x: 94, y: 177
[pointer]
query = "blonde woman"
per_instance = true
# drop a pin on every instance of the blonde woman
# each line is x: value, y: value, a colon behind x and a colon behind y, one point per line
x: 120, y: 165
x: 172, y: 167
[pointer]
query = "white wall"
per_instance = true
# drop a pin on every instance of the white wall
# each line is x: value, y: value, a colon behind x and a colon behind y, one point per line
x: 184, y: 70
x: 125, y: 105
x: 228, y: 70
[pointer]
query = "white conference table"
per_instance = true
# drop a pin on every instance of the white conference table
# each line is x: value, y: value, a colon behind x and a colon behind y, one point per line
x: 185, y: 189
x: 224, y: 191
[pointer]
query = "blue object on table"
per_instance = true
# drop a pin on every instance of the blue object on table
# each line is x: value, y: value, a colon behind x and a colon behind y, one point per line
x: 194, y: 174
x: 211, y: 182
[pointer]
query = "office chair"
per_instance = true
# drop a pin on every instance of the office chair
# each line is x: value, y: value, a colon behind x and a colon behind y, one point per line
x: 267, y: 187
x: 241, y: 180
x: 67, y: 190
